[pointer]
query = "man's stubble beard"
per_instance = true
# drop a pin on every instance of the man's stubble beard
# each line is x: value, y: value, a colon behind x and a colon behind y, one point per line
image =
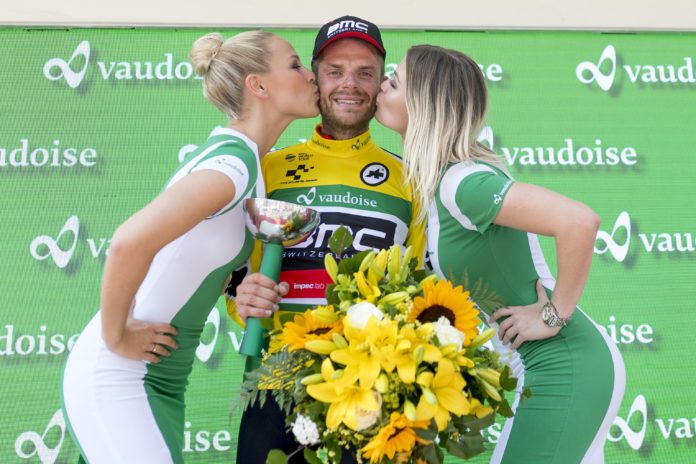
x: 345, y: 130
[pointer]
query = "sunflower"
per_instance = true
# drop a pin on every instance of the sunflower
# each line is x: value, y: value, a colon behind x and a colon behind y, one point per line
x: 444, y: 300
x: 317, y: 324
x: 396, y: 437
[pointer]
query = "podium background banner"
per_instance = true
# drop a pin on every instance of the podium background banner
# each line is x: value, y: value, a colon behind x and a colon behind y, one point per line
x: 94, y: 121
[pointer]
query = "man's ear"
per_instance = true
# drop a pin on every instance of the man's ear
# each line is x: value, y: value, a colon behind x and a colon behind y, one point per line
x: 256, y: 85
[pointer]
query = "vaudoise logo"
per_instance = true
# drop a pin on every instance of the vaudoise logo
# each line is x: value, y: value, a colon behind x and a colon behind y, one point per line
x: 57, y: 68
x: 45, y: 246
x: 605, y: 72
x: 74, y: 70
x: 588, y: 72
x: 566, y: 152
x: 617, y: 243
x: 62, y: 247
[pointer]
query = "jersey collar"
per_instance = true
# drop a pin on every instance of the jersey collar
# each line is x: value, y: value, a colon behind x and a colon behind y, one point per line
x: 347, y: 148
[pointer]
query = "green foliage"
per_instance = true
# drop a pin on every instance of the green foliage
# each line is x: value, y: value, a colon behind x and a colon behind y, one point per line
x: 507, y: 382
x: 249, y: 392
x: 463, y: 437
x: 311, y: 456
x: 485, y: 298
x: 340, y: 240
x: 276, y: 456
x: 280, y: 368
x: 350, y: 265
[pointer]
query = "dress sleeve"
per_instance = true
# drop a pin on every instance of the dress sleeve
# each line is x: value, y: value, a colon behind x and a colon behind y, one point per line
x: 473, y: 194
x: 236, y: 170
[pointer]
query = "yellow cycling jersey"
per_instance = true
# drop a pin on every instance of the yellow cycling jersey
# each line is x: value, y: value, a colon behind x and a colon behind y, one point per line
x: 352, y: 183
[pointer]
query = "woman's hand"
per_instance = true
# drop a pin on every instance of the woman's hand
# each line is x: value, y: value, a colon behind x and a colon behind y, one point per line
x: 145, y: 341
x: 524, y: 323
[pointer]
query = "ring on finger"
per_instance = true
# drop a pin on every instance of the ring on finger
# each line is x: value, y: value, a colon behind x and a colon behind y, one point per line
x: 154, y: 348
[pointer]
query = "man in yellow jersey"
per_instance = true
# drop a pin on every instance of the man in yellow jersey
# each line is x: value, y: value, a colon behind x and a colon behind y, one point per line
x: 351, y: 181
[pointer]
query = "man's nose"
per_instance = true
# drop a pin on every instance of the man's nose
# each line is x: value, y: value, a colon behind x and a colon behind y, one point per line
x: 350, y: 79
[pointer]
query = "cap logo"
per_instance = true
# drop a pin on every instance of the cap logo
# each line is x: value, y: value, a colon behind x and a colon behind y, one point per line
x: 346, y: 24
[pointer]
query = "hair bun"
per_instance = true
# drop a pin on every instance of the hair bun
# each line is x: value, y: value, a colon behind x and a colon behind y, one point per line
x: 204, y: 51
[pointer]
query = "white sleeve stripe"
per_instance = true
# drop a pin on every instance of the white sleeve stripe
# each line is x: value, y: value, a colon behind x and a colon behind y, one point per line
x: 448, y: 189
x: 193, y: 162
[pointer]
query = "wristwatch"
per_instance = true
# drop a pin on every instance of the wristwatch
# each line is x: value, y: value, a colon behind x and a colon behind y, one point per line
x: 550, y: 316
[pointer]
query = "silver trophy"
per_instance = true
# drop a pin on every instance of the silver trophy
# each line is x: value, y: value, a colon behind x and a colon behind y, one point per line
x: 277, y: 224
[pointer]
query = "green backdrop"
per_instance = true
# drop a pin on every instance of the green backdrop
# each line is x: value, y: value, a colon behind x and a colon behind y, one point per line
x: 93, y: 122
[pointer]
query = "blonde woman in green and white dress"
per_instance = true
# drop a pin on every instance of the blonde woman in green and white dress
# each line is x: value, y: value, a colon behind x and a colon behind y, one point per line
x: 484, y: 224
x: 125, y: 379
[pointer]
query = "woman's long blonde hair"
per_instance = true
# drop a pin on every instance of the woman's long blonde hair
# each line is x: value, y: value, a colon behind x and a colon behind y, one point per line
x: 446, y: 100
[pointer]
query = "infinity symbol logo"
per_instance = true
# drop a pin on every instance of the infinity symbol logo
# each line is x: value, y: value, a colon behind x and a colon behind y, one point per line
x: 46, y: 454
x: 618, y: 251
x: 309, y: 198
x: 65, y: 68
x: 634, y: 438
x: 604, y: 81
x: 185, y: 150
x: 486, y: 135
x: 205, y: 350
x: 60, y: 257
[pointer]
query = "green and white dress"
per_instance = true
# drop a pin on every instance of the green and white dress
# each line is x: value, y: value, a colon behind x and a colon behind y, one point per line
x: 127, y: 411
x: 577, y: 377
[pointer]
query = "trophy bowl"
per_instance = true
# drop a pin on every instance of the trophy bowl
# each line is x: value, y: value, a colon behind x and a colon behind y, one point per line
x: 273, y: 221
x: 277, y: 224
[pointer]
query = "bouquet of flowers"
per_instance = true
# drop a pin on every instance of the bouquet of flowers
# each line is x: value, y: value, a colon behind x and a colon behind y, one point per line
x: 393, y: 368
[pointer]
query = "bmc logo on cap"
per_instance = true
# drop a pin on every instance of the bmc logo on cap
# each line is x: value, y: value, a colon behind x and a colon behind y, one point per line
x: 347, y: 24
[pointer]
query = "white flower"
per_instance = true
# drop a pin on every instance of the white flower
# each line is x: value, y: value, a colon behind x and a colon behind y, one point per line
x: 365, y: 418
x: 359, y: 314
x: 305, y: 430
x: 447, y: 334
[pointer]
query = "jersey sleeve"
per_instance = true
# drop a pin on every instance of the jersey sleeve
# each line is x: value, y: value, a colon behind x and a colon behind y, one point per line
x: 473, y: 195
x: 236, y: 169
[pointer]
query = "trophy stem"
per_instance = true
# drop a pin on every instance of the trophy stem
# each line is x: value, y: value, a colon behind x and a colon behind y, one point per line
x: 272, y: 259
x: 254, y: 338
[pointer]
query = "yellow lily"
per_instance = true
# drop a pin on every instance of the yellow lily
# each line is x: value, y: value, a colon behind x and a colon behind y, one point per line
x: 368, y: 290
x: 394, y: 263
x: 331, y: 267
x: 409, y: 351
x: 345, y: 397
x: 365, y: 357
x: 478, y: 409
x: 443, y: 393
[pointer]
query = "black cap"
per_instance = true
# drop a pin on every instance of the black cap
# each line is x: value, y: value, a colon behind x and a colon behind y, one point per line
x: 348, y: 27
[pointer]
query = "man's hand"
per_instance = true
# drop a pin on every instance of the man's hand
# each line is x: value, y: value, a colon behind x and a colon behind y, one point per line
x: 258, y: 296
